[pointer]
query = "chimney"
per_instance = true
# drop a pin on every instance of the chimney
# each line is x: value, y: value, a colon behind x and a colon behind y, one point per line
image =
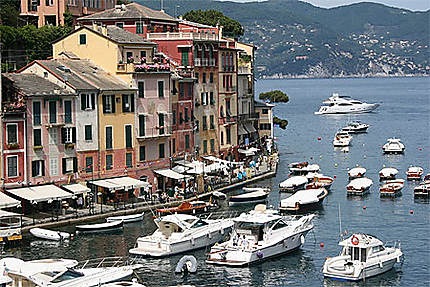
x: 104, y: 30
x: 95, y: 26
x: 220, y: 32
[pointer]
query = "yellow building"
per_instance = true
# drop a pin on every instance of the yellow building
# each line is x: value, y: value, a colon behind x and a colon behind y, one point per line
x: 265, y: 119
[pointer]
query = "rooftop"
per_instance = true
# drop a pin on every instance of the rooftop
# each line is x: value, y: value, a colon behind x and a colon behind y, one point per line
x: 34, y: 85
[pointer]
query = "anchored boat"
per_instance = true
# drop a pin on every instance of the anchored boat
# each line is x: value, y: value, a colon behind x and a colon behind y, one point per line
x: 422, y: 190
x: 293, y: 183
x: 356, y: 172
x: 359, y: 186
x: 303, y: 200
x: 320, y: 181
x: 251, y: 195
x: 388, y: 173
x: 342, y: 139
x: 392, y: 188
x: 393, y: 146
x: 356, y: 127
x: 303, y: 168
x: 49, y: 234
x: 344, y: 105
x: 188, y: 207
x: 362, y: 256
x: 100, y: 227
x: 414, y: 173
x: 126, y: 218
x: 258, y: 235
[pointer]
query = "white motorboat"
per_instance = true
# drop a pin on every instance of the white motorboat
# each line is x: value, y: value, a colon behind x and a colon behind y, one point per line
x: 320, y: 181
x: 392, y: 188
x: 356, y: 172
x: 393, y: 145
x: 258, y: 235
x: 303, y: 168
x: 414, y: 173
x: 293, y: 183
x: 344, y: 105
x: 388, y: 173
x: 359, y: 186
x: 250, y: 195
x: 49, y: 234
x: 66, y: 272
x: 362, y: 256
x: 342, y: 139
x: 100, y: 227
x: 219, y: 194
x: 422, y: 190
x: 303, y: 200
x: 356, y: 127
x: 178, y: 233
x: 126, y: 218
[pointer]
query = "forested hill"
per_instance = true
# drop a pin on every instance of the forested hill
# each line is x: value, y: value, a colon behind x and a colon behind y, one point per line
x: 295, y: 38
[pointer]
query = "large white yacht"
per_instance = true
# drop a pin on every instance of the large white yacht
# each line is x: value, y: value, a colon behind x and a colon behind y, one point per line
x: 258, y: 235
x: 179, y: 233
x: 362, y: 256
x: 344, y: 105
x: 66, y: 272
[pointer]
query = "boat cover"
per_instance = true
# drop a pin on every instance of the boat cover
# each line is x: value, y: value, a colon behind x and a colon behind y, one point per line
x: 303, y: 197
x: 359, y: 183
x: 293, y: 181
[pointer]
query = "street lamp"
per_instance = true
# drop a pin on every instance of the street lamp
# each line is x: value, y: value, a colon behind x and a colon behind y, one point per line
x: 74, y: 197
x: 33, y: 203
x: 101, y: 201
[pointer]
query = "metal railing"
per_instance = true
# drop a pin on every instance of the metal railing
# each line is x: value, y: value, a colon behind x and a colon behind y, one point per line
x: 155, y: 132
x: 182, y: 35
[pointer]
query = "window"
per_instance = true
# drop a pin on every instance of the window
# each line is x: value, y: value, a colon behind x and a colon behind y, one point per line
x: 184, y: 58
x: 120, y: 24
x: 12, y: 166
x: 265, y: 112
x: 143, y: 55
x: 212, y: 122
x: 187, y: 117
x: 227, y: 107
x: 129, y: 160
x: 142, y: 153
x: 139, y: 28
x: 212, y: 143
x: 89, y: 164
x: 82, y: 39
x: 205, y: 124
x: 197, y: 77
x: 108, y: 104
x: 173, y: 146
x: 52, y: 112
x: 181, y: 90
x: 204, y: 98
x: 68, y: 112
x: 187, y: 141
x: 161, y: 124
x: 88, y: 132
x: 129, y: 57
x: 70, y: 164
x: 205, y: 146
x: 228, y: 133
x: 37, y: 137
x: 211, y: 77
x: 37, y: 168
x: 36, y: 113
x: 127, y: 103
x: 53, y: 136
x: 161, y: 150
x: 197, y: 126
x: 53, y: 166
x: 109, y: 137
x: 128, y: 137
x: 88, y: 102
x: 222, y: 138
x: 190, y: 90
x: 68, y: 135
x: 12, y: 134
x: 160, y: 89
x: 174, y: 117
x: 141, y: 125
x: 280, y: 224
x: 109, y: 161
x: 181, y: 119
x: 141, y: 88
x: 204, y: 78
x: 211, y: 97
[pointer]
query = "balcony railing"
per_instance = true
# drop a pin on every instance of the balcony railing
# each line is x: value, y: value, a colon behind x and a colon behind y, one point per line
x: 142, y: 68
x: 155, y: 132
x: 247, y: 117
x: 182, y: 35
x: 244, y: 70
x: 203, y: 62
x: 57, y: 120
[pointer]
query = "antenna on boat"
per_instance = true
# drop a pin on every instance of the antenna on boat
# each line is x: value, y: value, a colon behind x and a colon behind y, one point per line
x: 340, y: 224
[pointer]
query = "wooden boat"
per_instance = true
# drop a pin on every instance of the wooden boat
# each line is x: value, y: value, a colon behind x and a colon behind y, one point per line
x: 359, y: 186
x: 100, y: 227
x: 414, y: 173
x: 303, y: 168
x: 49, y: 234
x: 388, y: 173
x: 320, y: 182
x: 293, y: 183
x: 356, y: 172
x: 422, y: 190
x: 392, y: 188
x: 251, y: 195
x: 303, y: 200
x: 187, y: 207
x: 126, y: 218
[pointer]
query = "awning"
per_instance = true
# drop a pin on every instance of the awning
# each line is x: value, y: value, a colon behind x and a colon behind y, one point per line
x: 40, y: 193
x: 212, y: 158
x: 118, y: 183
x: 76, y: 188
x: 171, y: 174
x: 4, y: 213
x: 7, y: 201
x: 241, y: 130
x: 246, y: 152
x: 250, y: 128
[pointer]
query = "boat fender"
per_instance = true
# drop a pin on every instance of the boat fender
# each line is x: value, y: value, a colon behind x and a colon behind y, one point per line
x: 302, y: 239
x: 222, y: 231
x: 380, y: 264
x: 194, y: 211
x: 210, y: 235
x: 187, y: 263
x: 205, y: 209
x: 260, y: 254
x: 192, y: 241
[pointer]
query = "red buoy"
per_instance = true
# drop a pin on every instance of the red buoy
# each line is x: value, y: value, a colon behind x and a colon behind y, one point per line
x: 334, y: 176
x: 411, y: 211
x: 364, y: 207
x: 319, y: 138
x: 420, y: 148
x: 322, y: 244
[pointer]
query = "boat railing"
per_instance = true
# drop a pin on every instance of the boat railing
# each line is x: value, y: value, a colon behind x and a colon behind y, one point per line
x: 223, y: 214
x: 393, y: 243
x: 117, y: 261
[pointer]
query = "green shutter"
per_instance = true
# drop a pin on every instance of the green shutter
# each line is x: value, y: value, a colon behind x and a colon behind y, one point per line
x: 128, y: 140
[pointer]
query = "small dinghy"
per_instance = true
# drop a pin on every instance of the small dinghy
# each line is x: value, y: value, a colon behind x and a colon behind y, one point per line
x: 49, y: 234
x: 303, y: 168
x: 388, y: 173
x: 251, y: 195
x: 393, y: 146
x: 320, y: 181
x: 359, y: 186
x: 187, y: 263
x: 356, y: 172
x: 100, y: 227
x: 392, y: 188
x: 303, y: 200
x: 414, y: 173
x: 188, y: 207
x: 126, y: 218
x: 293, y: 183
x: 422, y: 190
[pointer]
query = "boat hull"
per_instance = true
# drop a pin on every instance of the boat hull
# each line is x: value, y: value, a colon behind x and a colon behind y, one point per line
x: 365, y: 108
x: 246, y: 200
x: 103, y: 227
x: 292, y: 188
x: 126, y: 218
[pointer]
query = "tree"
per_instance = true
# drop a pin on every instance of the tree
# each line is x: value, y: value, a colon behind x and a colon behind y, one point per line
x: 275, y: 96
x: 9, y: 13
x: 231, y: 28
x: 282, y: 123
x: 68, y: 19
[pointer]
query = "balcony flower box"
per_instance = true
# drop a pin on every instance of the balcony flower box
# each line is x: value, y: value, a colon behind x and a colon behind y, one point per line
x: 14, y: 107
x: 38, y: 148
x: 69, y: 145
x: 130, y: 60
x: 151, y: 68
x: 13, y: 146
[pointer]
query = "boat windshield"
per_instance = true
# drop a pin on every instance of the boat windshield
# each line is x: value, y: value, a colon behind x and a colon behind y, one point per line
x: 199, y: 223
x: 68, y: 275
x: 356, y: 102
x: 345, y: 104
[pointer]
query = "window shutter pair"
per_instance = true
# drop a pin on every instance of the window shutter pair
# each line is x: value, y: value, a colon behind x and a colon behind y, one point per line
x: 83, y: 102
x: 64, y: 135
x: 35, y: 166
x: 75, y: 165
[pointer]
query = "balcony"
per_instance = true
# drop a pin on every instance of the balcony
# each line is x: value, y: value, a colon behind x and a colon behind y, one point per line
x: 247, y: 117
x: 143, y: 68
x: 228, y: 120
x: 182, y: 36
x: 155, y: 132
x: 203, y: 62
x: 57, y: 120
x: 244, y: 70
x: 14, y: 108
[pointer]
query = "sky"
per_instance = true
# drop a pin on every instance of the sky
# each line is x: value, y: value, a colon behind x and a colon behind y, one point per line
x: 414, y: 5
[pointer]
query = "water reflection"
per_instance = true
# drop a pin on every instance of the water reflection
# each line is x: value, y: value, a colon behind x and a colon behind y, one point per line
x: 389, y: 278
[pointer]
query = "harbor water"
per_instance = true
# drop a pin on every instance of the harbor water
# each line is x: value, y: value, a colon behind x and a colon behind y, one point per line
x: 404, y: 112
